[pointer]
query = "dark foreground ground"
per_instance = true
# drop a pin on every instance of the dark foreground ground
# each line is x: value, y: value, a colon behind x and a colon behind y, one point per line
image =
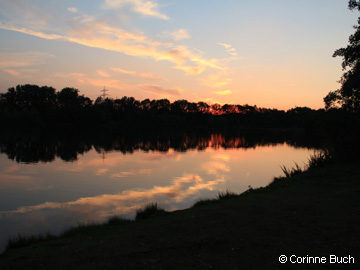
x: 313, y: 214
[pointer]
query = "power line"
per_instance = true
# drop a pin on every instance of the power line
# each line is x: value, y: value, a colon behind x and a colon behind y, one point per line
x: 104, y: 93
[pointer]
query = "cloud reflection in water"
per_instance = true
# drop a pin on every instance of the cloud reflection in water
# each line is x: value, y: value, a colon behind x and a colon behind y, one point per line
x: 56, y: 216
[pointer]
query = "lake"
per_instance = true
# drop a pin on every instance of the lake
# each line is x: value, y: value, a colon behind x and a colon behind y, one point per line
x: 49, y: 183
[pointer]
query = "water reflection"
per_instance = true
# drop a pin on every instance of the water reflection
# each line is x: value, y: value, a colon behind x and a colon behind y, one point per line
x: 41, y: 191
x: 45, y: 147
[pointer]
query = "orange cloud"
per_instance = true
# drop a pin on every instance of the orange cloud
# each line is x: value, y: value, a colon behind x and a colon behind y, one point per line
x: 102, y: 171
x: 179, y: 34
x: 211, y: 100
x: 121, y: 174
x: 103, y: 73
x: 127, y: 201
x: 222, y: 157
x: 158, y: 90
x: 23, y: 59
x: 216, y: 80
x: 223, y: 93
x: 214, y: 166
x: 149, y: 76
x: 87, y: 31
x: 30, y: 32
x: 191, y: 70
x: 100, y: 82
x: 13, y: 168
x: 12, y: 72
x: 229, y: 49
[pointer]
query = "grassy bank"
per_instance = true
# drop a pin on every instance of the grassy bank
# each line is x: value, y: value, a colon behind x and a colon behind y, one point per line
x: 314, y: 213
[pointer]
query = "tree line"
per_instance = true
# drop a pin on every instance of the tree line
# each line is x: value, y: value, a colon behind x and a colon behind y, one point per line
x: 33, y: 105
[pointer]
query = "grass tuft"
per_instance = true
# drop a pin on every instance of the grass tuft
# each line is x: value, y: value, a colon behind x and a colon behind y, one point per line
x: 293, y: 171
x: 319, y: 159
x: 222, y: 195
x: 80, y: 228
x: 227, y: 194
x: 117, y: 220
x: 20, y: 240
x: 150, y: 210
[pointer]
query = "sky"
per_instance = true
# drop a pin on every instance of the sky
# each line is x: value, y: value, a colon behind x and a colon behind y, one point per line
x: 268, y: 53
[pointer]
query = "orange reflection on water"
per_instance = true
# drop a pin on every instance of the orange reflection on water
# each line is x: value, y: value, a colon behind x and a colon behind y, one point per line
x: 218, y: 140
x: 125, y: 202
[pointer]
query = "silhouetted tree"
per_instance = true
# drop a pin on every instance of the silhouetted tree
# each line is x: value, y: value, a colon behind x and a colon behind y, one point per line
x: 216, y: 109
x: 68, y: 97
x: 348, y: 96
x: 145, y: 105
x: 28, y: 97
x: 229, y: 108
x: 203, y: 107
x: 162, y: 106
x: 179, y: 106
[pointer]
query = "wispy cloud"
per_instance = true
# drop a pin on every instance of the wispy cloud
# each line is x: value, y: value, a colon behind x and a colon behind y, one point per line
x: 229, y: 48
x: 102, y: 171
x: 178, y: 34
x: 191, y: 70
x: 214, y: 167
x: 30, y: 32
x: 216, y: 80
x: 149, y: 76
x: 158, y: 90
x: 13, y: 168
x: 127, y: 201
x: 147, y: 8
x: 122, y: 174
x: 73, y: 9
x: 12, y: 72
x: 72, y: 75
x: 23, y: 59
x: 103, y: 36
x: 222, y: 157
x: 103, y: 73
x: 96, y: 32
x: 26, y: 13
x: 223, y: 93
x: 94, y: 81
x: 17, y: 64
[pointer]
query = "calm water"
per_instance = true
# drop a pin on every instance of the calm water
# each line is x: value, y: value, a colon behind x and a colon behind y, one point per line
x: 47, y: 185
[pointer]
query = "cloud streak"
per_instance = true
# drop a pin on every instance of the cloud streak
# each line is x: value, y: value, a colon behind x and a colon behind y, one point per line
x: 86, y: 30
x: 12, y: 72
x: 158, y: 90
x: 94, y: 81
x: 23, y: 59
x: 216, y: 80
x: 223, y: 93
x: 73, y: 9
x: 178, y: 34
x: 229, y: 49
x: 127, y: 201
x: 147, y: 8
x: 148, y: 76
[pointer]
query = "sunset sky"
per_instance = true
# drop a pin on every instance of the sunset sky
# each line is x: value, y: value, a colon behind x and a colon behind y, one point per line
x: 269, y: 53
